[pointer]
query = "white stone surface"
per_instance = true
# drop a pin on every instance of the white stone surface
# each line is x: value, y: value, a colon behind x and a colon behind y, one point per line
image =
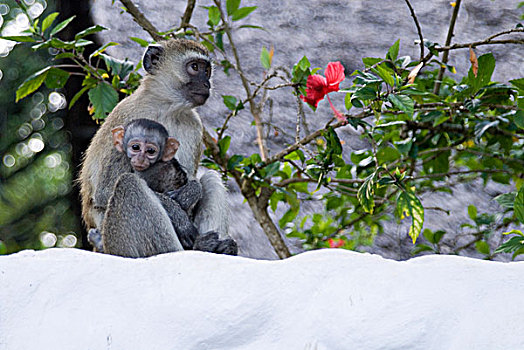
x: 329, y: 299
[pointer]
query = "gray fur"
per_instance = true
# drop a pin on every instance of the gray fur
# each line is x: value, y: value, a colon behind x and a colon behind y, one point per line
x: 134, y: 233
x: 160, y: 97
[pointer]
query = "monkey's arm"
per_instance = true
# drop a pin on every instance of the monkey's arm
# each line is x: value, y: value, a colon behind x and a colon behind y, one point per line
x: 184, y: 227
x: 188, y: 195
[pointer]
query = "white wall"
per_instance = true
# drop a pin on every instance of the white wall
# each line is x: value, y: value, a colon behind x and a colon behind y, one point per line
x: 328, y: 299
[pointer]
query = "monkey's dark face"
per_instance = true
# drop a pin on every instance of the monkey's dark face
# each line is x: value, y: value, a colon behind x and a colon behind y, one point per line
x: 197, y: 89
x: 142, y: 154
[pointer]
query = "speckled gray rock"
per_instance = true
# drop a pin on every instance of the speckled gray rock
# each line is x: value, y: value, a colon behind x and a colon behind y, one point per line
x: 329, y: 31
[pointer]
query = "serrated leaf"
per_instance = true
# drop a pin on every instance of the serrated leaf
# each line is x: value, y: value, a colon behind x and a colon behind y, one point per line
x: 402, y: 102
x: 19, y: 38
x: 243, y: 12
x: 366, y: 193
x: 472, y: 212
x: 91, y: 30
x: 409, y: 205
x: 56, y: 78
x: 60, y: 26
x: 385, y: 74
x: 393, y: 51
x: 49, y: 20
x: 103, y: 99
x: 31, y: 84
x: 232, y: 6
x: 519, y: 205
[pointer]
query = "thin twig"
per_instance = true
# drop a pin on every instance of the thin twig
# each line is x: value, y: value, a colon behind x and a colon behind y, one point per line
x: 445, y: 56
x: 419, y: 30
x: 479, y: 43
x: 141, y: 20
x: 254, y: 110
x: 186, y: 17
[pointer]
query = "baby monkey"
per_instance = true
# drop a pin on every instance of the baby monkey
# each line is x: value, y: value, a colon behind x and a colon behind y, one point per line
x: 151, y: 153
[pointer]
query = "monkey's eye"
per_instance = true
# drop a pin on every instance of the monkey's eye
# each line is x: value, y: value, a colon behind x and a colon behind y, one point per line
x: 192, y: 68
x: 151, y: 151
x: 135, y: 147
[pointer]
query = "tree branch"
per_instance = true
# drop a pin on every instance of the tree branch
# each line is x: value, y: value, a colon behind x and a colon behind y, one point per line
x: 454, y: 16
x: 186, y: 17
x: 419, y: 30
x: 141, y: 20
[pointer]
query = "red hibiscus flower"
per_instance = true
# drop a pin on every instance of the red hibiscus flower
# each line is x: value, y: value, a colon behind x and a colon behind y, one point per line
x: 317, y: 86
x: 335, y: 243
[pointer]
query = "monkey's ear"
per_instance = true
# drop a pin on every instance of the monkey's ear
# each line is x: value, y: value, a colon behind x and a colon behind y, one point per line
x: 118, y: 138
x: 151, y: 57
x: 170, y: 149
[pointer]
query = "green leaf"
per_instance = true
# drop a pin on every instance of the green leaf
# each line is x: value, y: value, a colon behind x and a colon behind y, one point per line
x: 234, y: 161
x: 61, y: 26
x: 89, y: 31
x: 214, y: 15
x: 230, y: 102
x: 243, y: 12
x: 514, y: 244
x: 223, y: 145
x: 393, y: 51
x: 370, y: 61
x: 271, y: 169
x: 483, y: 247
x: 486, y: 66
x: 103, y: 48
x: 387, y: 155
x: 103, y: 98
x: 49, y: 20
x: 506, y: 200
x: 232, y: 6
x: 402, y: 102
x: 77, y: 96
x: 519, y: 205
x: 409, y: 205
x: 20, y: 38
x: 366, y: 193
x: 139, y: 41
x: 385, y: 74
x: 265, y: 58
x: 289, y: 216
x: 117, y: 67
x: 472, y: 212
x: 64, y: 55
x: 518, y: 119
x: 32, y: 83
x: 56, y: 78
x: 519, y: 83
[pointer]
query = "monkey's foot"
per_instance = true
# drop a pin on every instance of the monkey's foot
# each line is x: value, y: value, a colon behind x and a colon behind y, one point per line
x: 210, y: 242
x: 95, y: 238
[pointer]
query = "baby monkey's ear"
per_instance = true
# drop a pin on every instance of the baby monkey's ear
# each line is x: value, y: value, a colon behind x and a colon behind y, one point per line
x: 170, y: 149
x: 118, y: 138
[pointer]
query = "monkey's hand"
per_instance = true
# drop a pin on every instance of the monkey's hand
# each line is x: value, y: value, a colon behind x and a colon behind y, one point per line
x: 188, y: 195
x: 95, y: 238
x: 210, y: 242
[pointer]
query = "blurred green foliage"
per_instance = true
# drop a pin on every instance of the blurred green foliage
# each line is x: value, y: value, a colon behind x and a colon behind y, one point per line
x: 35, y: 170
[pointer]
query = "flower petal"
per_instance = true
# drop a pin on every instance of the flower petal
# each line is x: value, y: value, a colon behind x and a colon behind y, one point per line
x: 316, y: 89
x: 334, y: 75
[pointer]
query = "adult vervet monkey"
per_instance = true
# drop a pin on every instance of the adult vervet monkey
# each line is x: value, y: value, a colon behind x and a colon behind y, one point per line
x: 177, y: 80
